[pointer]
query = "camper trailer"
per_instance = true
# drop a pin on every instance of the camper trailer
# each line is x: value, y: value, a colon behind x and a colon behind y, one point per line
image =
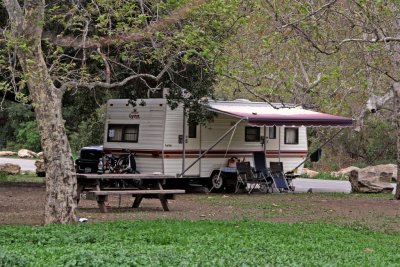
x: 164, y: 142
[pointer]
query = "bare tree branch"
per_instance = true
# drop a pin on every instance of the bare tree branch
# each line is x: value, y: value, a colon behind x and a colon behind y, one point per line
x: 375, y: 40
x: 248, y: 86
x: 15, y: 11
x: 107, y: 66
x: 309, y: 15
x: 136, y: 35
x: 373, y: 104
x: 106, y: 85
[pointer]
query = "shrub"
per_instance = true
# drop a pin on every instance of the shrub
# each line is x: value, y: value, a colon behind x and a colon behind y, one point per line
x: 90, y: 131
x: 28, y: 136
x: 11, y: 260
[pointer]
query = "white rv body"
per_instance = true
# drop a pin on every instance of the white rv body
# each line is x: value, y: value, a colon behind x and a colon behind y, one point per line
x: 155, y: 133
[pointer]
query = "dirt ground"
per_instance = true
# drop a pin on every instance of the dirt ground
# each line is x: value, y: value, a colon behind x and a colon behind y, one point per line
x: 23, y: 203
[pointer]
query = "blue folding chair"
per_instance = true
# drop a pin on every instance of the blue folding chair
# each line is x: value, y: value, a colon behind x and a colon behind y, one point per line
x: 279, y: 177
x: 263, y: 174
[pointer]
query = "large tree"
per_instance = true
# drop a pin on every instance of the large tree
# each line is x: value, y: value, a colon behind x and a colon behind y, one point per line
x: 70, y: 45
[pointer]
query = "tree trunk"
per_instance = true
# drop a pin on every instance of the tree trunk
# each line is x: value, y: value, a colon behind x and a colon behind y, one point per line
x: 396, y: 95
x: 46, y: 99
x: 395, y: 50
x: 60, y: 178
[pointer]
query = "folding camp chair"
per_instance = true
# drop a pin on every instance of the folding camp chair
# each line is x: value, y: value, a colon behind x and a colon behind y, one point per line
x: 263, y: 173
x: 280, y: 179
x: 245, y: 176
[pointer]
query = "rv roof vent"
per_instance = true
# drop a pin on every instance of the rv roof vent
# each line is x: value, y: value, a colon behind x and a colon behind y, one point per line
x: 242, y: 100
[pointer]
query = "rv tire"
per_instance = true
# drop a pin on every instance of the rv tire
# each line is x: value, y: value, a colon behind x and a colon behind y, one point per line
x: 217, y: 182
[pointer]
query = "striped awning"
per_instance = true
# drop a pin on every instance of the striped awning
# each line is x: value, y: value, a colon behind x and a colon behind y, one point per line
x: 261, y: 113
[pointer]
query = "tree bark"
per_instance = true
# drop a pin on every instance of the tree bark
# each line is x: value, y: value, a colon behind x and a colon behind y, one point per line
x: 395, y: 50
x: 396, y: 94
x: 46, y: 98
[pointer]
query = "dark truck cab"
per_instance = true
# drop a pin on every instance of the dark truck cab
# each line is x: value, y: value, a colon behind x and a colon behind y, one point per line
x: 88, y: 159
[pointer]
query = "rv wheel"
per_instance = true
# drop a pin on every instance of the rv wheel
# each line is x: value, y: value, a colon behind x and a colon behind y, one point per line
x: 217, y: 183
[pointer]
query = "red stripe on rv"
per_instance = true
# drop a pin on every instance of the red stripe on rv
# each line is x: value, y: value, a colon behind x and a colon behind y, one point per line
x: 211, y: 154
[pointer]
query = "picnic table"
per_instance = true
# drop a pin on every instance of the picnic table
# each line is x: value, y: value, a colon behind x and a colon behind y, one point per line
x: 99, y: 186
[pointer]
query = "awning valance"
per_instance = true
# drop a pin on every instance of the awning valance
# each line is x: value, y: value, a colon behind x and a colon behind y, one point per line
x: 261, y: 113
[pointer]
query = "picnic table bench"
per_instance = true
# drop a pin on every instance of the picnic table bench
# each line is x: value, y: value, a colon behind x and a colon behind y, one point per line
x: 152, y: 189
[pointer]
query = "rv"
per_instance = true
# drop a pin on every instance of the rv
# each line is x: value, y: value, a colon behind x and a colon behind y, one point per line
x: 164, y: 142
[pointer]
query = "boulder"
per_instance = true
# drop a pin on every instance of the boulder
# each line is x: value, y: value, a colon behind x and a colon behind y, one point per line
x: 40, y: 155
x: 25, y: 153
x: 10, y: 168
x: 345, y: 171
x: 370, y: 181
x: 7, y: 153
x: 388, y: 168
x: 40, y: 170
x: 309, y: 173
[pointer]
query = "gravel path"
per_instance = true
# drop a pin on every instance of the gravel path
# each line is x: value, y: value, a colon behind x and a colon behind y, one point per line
x: 26, y: 164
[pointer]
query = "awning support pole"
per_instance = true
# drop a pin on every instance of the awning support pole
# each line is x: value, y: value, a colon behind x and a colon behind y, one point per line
x: 279, y: 144
x: 184, y: 139
x: 321, y: 146
x: 208, y: 150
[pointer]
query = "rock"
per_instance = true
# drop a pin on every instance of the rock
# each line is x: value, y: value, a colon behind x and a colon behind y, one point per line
x: 40, y: 155
x: 25, y: 153
x: 367, y: 180
x: 7, y: 153
x: 40, y: 169
x: 345, y: 171
x: 388, y: 168
x: 10, y: 168
x: 309, y: 173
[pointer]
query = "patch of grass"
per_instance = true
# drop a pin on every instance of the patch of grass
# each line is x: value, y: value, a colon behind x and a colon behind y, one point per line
x: 26, y: 177
x: 200, y: 243
x: 3, y: 177
x: 11, y: 157
x: 326, y: 176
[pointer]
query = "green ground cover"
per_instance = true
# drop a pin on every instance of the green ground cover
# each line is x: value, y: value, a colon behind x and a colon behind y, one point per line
x: 326, y: 176
x: 26, y: 177
x: 196, y: 243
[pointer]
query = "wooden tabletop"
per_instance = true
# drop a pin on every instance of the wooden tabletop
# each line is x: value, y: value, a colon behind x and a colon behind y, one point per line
x: 123, y: 176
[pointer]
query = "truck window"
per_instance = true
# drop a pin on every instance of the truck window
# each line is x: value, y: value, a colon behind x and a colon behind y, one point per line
x: 123, y: 133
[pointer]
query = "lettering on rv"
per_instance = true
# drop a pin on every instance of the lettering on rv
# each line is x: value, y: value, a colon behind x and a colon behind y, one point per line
x: 134, y: 115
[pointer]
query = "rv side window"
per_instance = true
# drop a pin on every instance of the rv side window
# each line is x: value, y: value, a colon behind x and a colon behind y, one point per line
x: 252, y: 134
x: 292, y: 136
x: 123, y: 133
x: 272, y: 132
x: 192, y: 129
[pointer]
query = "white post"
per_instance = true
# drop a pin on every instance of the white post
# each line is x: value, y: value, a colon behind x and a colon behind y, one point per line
x: 184, y: 139
x: 279, y: 145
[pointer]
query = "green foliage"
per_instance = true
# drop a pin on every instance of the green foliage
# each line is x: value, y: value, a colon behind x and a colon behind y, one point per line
x: 25, y: 177
x: 191, y: 46
x: 201, y: 243
x: 375, y: 143
x: 20, y: 129
x: 326, y: 176
x: 3, y: 176
x: 91, y: 130
x: 9, y: 259
x: 28, y: 136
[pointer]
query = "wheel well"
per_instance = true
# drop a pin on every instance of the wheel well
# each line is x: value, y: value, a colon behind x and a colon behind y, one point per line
x: 214, y: 172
